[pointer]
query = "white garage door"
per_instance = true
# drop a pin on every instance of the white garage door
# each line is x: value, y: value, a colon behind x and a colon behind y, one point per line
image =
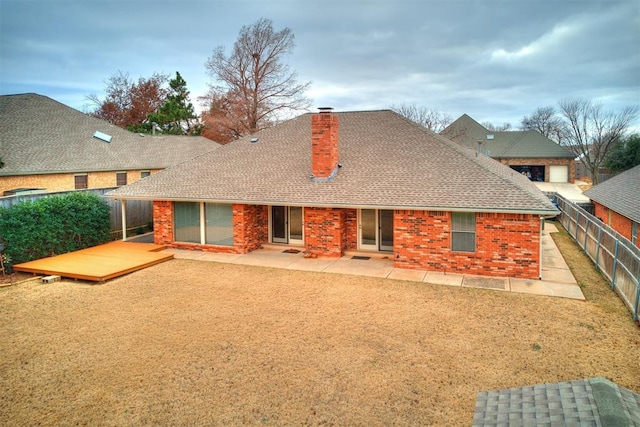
x: 558, y: 173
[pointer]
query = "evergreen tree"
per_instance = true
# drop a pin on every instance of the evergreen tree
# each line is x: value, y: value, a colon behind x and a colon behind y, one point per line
x: 625, y: 154
x: 176, y: 115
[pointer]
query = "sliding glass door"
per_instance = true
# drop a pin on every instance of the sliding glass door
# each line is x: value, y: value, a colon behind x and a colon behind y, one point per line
x: 375, y: 230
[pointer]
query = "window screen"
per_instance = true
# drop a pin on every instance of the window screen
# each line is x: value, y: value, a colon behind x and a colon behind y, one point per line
x: 186, y: 222
x: 219, y: 224
x: 144, y: 174
x: 463, y: 232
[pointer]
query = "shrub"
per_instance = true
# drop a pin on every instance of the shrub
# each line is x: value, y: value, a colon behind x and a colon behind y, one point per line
x: 54, y: 225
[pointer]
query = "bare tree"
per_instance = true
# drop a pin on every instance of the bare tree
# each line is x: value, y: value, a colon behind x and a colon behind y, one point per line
x: 496, y: 128
x: 128, y: 103
x: 222, y: 118
x: 255, y: 76
x: 594, y: 130
x: 546, y: 121
x: 433, y: 120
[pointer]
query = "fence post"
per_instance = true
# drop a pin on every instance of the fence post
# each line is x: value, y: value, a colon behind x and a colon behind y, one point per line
x: 586, y: 233
x: 635, y: 312
x: 615, y: 264
x: 598, y: 249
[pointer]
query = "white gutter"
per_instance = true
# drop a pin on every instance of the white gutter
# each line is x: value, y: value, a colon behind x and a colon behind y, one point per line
x: 541, y: 213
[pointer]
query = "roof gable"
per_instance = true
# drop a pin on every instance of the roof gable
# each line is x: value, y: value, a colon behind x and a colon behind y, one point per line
x: 620, y: 193
x: 40, y: 136
x: 387, y: 161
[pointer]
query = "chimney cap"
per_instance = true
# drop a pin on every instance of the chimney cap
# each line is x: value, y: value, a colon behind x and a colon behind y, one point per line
x: 325, y: 109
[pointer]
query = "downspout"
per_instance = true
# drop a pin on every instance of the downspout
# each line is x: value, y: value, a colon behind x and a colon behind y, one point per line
x: 123, y: 211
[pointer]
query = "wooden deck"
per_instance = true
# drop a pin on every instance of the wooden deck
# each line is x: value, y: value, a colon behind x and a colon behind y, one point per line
x: 99, y: 263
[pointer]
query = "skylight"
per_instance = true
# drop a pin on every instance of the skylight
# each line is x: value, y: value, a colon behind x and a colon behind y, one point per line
x: 102, y: 136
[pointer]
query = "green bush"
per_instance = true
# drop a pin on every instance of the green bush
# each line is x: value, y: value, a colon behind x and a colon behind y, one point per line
x: 53, y: 225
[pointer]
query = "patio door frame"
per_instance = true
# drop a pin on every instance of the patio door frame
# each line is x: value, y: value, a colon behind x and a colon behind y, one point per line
x: 292, y: 232
x: 379, y: 229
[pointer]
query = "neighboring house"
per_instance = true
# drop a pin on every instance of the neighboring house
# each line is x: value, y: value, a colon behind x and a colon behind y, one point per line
x: 48, y: 146
x: 371, y: 181
x: 617, y: 203
x: 528, y: 152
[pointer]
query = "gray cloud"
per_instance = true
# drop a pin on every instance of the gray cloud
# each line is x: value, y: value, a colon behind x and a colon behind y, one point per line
x: 496, y: 60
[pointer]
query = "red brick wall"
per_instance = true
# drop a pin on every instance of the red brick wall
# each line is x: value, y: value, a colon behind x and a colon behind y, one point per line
x: 324, y: 144
x: 250, y: 227
x: 163, y: 222
x: 352, y: 229
x: 325, y: 231
x: 507, y: 245
x: 620, y: 223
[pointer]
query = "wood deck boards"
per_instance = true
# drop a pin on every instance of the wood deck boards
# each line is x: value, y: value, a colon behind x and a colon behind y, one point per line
x: 99, y: 263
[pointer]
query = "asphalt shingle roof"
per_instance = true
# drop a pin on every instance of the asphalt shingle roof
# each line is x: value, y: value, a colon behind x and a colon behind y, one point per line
x: 504, y: 145
x: 620, y: 193
x: 40, y: 136
x: 387, y: 161
x: 589, y: 402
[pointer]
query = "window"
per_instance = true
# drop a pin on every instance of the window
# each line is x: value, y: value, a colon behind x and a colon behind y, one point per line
x: 80, y: 181
x: 186, y: 222
x: 144, y: 174
x: 634, y: 233
x: 121, y: 178
x: 463, y: 232
x: 219, y: 224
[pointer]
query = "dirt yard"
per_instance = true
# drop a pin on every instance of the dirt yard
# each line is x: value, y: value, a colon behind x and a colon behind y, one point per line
x: 201, y: 343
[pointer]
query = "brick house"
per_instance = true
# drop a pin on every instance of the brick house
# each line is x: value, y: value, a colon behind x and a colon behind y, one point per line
x: 370, y: 181
x: 528, y: 152
x: 49, y: 146
x: 616, y: 202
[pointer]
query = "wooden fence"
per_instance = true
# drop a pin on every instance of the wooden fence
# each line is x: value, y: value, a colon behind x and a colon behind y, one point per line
x: 139, y: 212
x: 613, y: 255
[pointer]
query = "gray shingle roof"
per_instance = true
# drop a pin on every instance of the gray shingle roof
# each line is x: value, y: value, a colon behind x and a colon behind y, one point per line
x: 589, y: 402
x: 39, y: 136
x: 504, y: 145
x: 620, y: 193
x: 387, y: 161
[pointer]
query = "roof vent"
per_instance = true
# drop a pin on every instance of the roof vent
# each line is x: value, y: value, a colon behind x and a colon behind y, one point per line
x: 490, y: 136
x: 254, y: 140
x: 102, y: 136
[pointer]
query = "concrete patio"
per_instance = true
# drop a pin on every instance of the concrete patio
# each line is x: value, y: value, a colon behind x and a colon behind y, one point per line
x: 557, y: 280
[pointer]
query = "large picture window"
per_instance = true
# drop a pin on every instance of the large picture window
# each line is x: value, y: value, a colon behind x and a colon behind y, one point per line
x: 219, y: 224
x: 186, y: 222
x: 463, y: 232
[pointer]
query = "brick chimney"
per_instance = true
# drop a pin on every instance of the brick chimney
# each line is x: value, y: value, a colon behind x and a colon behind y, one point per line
x: 324, y: 145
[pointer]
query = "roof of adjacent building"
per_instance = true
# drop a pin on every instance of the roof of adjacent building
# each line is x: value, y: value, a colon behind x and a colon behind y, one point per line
x: 594, y: 401
x: 39, y: 135
x: 620, y: 193
x: 386, y: 161
x: 504, y: 144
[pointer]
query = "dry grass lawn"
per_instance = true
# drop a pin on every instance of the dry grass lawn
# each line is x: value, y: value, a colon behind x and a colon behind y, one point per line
x: 201, y: 343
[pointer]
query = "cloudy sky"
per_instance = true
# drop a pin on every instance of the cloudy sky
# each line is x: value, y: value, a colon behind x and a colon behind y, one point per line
x: 496, y: 60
